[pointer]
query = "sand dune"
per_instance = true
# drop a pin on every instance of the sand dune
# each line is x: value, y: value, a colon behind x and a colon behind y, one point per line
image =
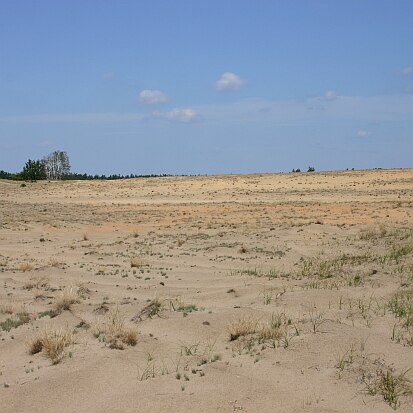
x: 256, y: 293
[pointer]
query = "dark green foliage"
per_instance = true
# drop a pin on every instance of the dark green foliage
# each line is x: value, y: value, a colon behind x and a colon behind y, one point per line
x: 77, y: 176
x: 310, y: 169
x: 6, y: 175
x: 33, y: 171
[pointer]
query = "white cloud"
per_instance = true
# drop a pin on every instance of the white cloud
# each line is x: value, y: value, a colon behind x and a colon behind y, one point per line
x: 185, y: 115
x: 229, y: 81
x: 407, y: 70
x: 330, y: 95
x: 362, y: 133
x: 152, y: 96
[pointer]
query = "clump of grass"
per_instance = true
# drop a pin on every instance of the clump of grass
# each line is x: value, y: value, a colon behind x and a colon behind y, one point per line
x: 53, y: 343
x: 399, y: 251
x: 401, y: 305
x: 136, y: 262
x: 20, y: 319
x: 388, y: 384
x: 187, y: 308
x: 46, y: 313
x: 316, y: 319
x: 256, y: 272
x: 179, y: 305
x: 54, y: 262
x: 26, y: 266
x: 278, y: 330
x: 153, y: 309
x: 274, y: 330
x: 267, y: 295
x: 10, y: 324
x: 6, y: 309
x: 242, y: 327
x: 375, y: 232
x: 115, y: 333
x: 65, y: 300
x: 35, y: 345
x: 36, y: 283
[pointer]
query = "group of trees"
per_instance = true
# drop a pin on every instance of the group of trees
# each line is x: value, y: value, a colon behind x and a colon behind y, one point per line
x: 56, y: 166
x: 310, y: 169
x: 53, y: 166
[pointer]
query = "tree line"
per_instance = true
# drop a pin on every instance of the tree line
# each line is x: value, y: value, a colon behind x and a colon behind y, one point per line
x: 56, y: 166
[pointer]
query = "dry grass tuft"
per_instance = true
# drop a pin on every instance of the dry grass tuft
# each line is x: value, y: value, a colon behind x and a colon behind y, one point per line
x: 115, y: 334
x: 37, y: 283
x: 65, y: 300
x: 52, y: 342
x: 35, y: 345
x: 6, y: 309
x: 54, y: 262
x: 26, y: 266
x: 136, y: 262
x: 275, y: 329
x: 154, y: 308
x: 242, y: 327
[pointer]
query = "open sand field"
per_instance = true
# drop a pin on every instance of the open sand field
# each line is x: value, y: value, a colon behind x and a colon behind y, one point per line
x: 256, y: 293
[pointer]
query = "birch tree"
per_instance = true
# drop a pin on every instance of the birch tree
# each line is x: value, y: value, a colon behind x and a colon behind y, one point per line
x: 57, y: 165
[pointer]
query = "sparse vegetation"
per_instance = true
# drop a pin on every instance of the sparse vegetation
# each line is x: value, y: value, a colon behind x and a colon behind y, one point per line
x: 52, y: 342
x: 21, y: 318
x: 307, y: 267
x: 26, y: 266
x: 154, y: 308
x: 115, y: 333
x: 385, y: 382
x: 242, y: 327
x: 38, y: 283
x: 65, y: 300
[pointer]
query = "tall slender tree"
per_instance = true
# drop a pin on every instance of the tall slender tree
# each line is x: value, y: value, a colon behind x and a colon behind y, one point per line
x: 57, y: 165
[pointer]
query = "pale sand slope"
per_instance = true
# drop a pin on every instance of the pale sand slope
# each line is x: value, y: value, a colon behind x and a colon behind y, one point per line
x: 322, y: 254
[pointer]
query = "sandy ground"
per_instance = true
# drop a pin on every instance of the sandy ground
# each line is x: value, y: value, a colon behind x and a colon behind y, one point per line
x: 257, y: 293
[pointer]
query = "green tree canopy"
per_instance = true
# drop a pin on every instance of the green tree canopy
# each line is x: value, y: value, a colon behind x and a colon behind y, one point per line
x: 33, y: 170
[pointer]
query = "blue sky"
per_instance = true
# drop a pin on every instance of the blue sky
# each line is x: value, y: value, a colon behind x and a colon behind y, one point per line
x: 188, y: 87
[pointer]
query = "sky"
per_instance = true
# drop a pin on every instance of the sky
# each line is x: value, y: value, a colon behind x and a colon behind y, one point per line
x: 207, y: 87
